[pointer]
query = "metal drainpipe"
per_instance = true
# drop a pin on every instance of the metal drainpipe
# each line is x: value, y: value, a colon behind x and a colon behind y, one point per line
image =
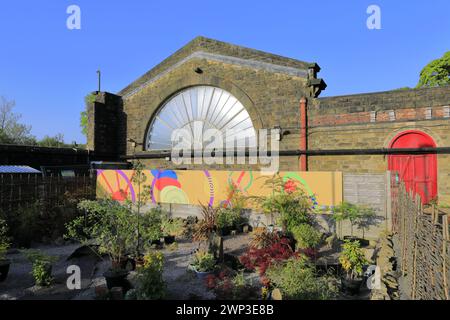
x: 303, y: 128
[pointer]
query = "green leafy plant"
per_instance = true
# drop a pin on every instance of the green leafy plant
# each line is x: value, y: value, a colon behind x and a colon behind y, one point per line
x: 307, y: 236
x: 4, y: 239
x: 203, y: 261
x: 151, y: 225
x: 108, y: 224
x: 358, y: 215
x: 150, y: 282
x: 297, y: 280
x: 288, y: 203
x: 352, y: 259
x: 172, y: 227
x: 41, y: 266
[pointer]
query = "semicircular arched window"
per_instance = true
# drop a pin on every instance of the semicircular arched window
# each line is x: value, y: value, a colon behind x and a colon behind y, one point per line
x: 197, y: 109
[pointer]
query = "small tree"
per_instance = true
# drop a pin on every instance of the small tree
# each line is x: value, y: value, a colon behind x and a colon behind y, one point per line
x: 288, y: 203
x: 358, y: 215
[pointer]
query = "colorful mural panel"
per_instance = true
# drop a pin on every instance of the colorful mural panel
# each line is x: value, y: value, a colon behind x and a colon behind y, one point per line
x: 213, y: 187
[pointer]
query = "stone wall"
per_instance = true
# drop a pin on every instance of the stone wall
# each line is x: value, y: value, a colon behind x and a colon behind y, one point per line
x: 370, y: 121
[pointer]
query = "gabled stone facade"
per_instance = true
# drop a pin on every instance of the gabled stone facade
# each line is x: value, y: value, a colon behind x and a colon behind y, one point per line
x: 270, y: 87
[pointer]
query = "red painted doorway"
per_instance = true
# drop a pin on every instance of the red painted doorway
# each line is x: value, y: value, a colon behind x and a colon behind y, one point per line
x: 418, y: 171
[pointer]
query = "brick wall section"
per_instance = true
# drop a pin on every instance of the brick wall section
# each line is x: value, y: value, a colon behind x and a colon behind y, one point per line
x: 344, y: 122
x: 106, y: 125
x: 407, y: 114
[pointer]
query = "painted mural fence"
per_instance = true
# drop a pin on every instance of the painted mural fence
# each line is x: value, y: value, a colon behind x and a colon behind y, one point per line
x: 193, y: 187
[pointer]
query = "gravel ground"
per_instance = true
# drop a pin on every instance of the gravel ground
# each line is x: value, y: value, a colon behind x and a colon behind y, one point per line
x: 181, y: 283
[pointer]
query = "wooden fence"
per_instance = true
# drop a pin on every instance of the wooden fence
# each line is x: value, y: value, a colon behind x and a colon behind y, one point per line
x: 17, y: 190
x: 422, y: 247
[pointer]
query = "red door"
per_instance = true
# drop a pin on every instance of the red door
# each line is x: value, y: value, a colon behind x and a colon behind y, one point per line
x: 419, y: 172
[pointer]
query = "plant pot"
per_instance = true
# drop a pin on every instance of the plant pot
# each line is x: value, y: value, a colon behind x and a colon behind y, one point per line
x: 201, y: 274
x: 351, y: 286
x: 169, y: 239
x: 116, y: 278
x: 4, y: 269
x: 362, y: 242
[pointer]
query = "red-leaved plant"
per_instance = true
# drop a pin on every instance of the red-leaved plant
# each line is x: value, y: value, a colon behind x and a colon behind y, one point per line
x: 261, y: 259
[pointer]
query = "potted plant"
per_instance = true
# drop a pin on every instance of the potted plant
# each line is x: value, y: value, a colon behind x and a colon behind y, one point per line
x: 203, y: 263
x: 224, y: 221
x: 112, y: 227
x: 206, y: 226
x: 352, y: 260
x: 41, y: 266
x: 358, y: 215
x: 151, y: 227
x: 4, y: 245
x: 306, y: 237
x: 171, y: 229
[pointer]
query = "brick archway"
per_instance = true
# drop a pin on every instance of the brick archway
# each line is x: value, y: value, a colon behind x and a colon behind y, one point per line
x: 418, y: 171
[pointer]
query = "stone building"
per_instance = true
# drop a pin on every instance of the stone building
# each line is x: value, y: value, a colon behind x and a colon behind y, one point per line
x: 226, y: 86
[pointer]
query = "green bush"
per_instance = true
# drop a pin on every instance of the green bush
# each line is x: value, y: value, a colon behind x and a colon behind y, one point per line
x: 306, y: 236
x: 297, y: 280
x: 352, y: 259
x: 109, y: 224
x: 41, y: 266
x: 203, y: 261
x: 172, y: 227
x: 150, y: 225
x: 4, y: 240
x: 229, y: 218
x: 151, y: 285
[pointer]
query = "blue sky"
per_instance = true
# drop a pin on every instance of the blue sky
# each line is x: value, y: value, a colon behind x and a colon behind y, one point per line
x: 48, y: 69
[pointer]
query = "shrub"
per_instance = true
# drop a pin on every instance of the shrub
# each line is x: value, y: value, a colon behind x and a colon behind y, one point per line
x: 111, y: 225
x: 261, y: 259
x: 172, y: 227
x: 225, y: 218
x: 203, y: 261
x: 151, y: 285
x: 41, y: 266
x: 150, y: 225
x: 307, y: 236
x: 297, y: 280
x: 189, y: 227
x: 4, y: 240
x: 352, y: 259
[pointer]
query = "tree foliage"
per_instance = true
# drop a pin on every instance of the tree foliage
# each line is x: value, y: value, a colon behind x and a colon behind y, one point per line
x: 11, y: 130
x: 436, y: 73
